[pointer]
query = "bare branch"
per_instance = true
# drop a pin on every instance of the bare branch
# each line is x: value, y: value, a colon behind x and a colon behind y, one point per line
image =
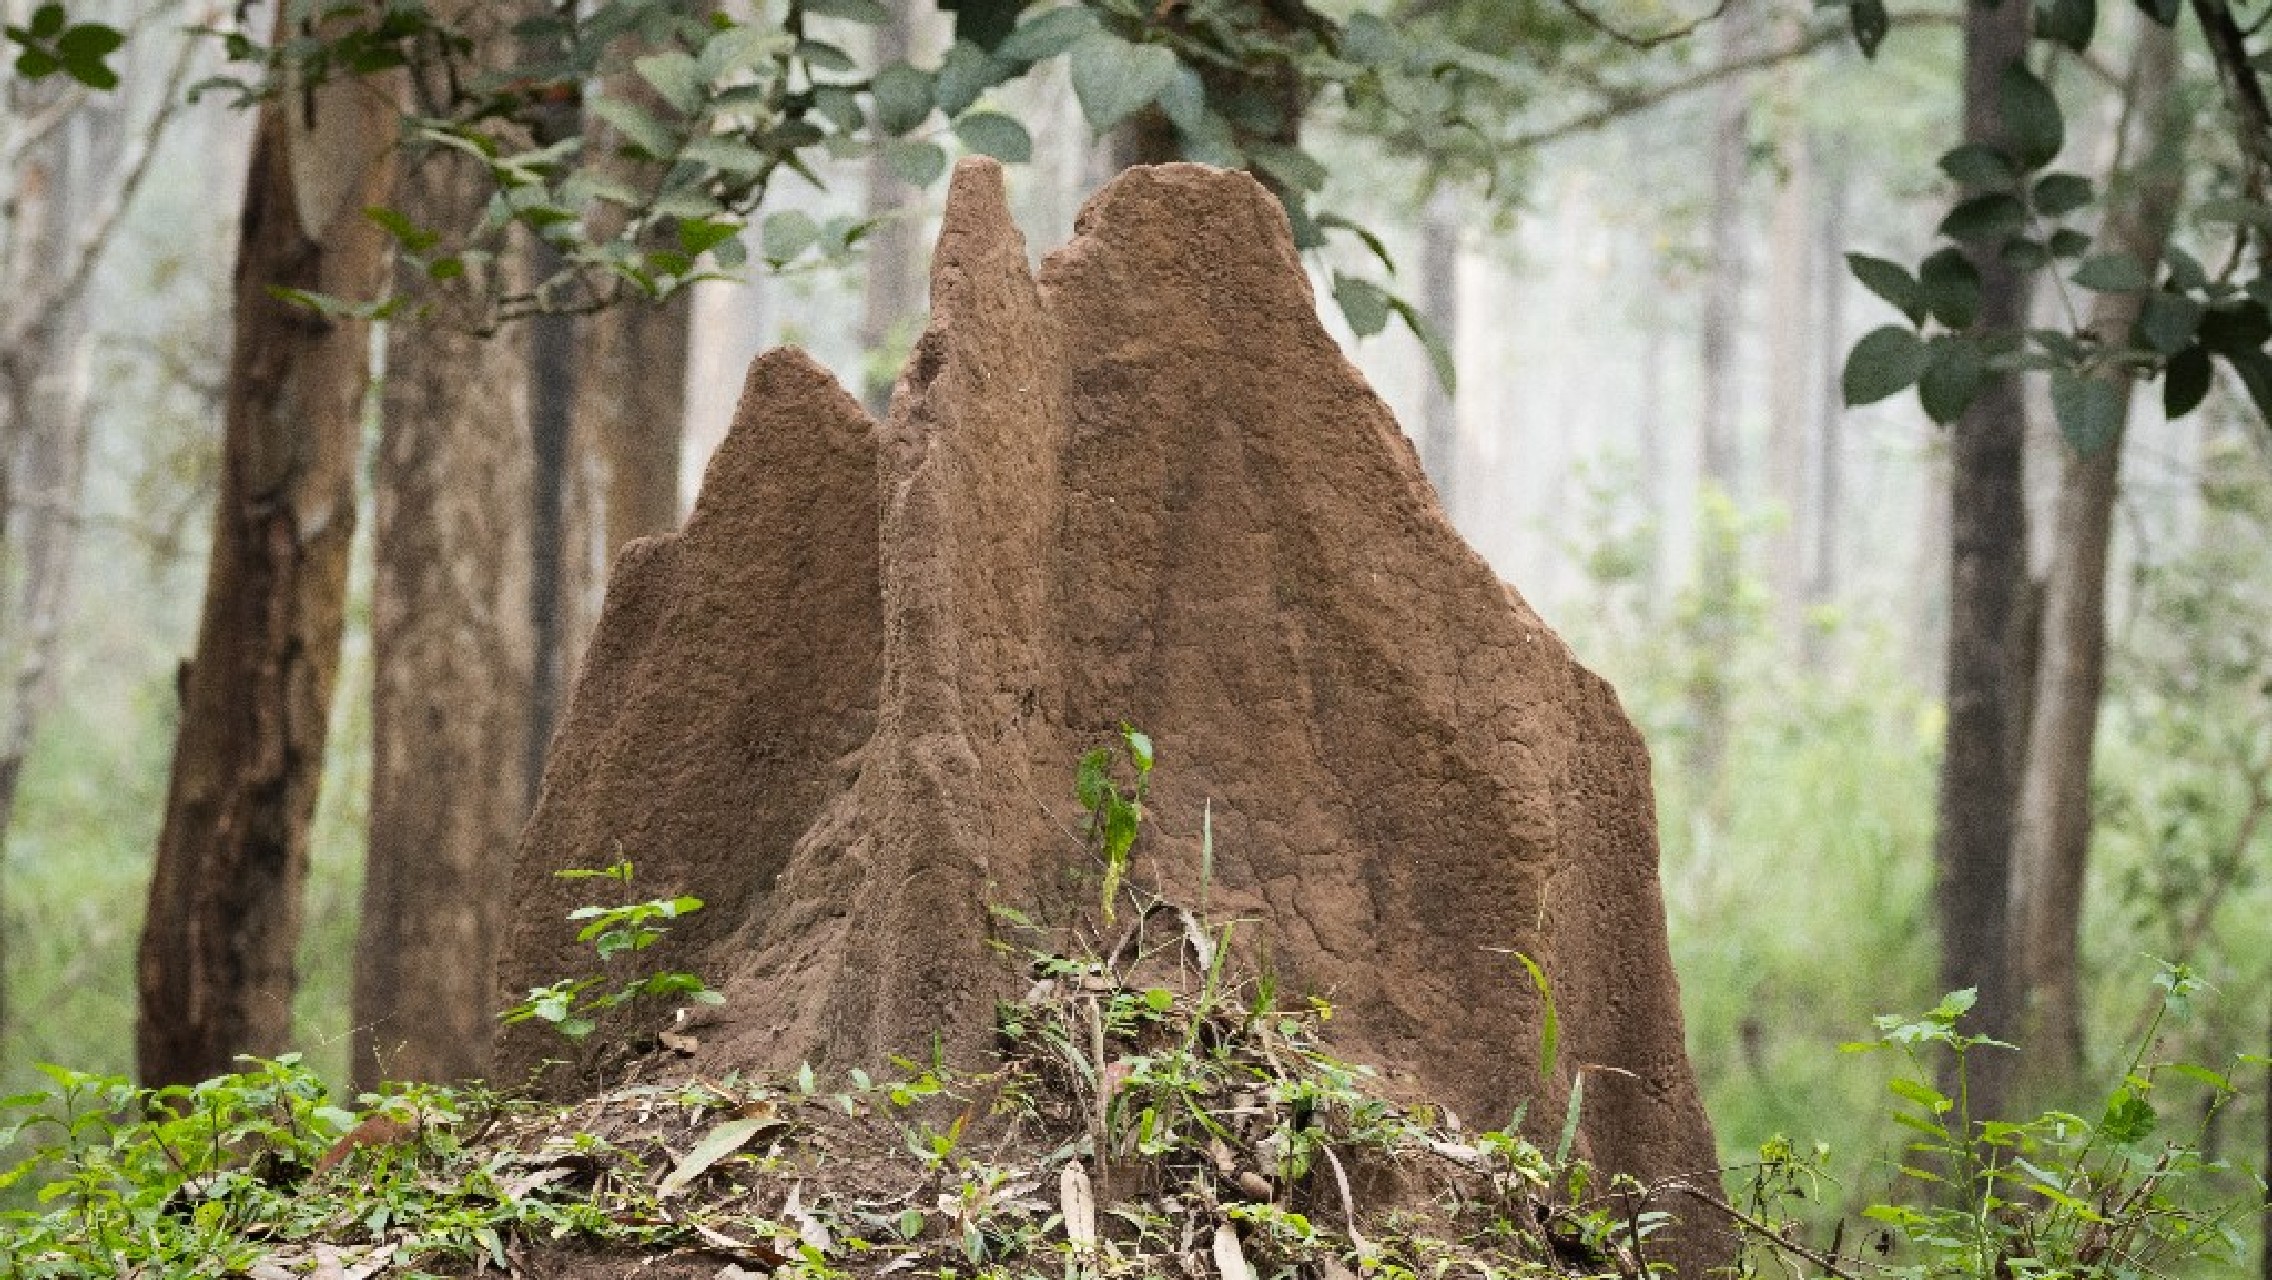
x: 1630, y: 41
x: 1634, y: 101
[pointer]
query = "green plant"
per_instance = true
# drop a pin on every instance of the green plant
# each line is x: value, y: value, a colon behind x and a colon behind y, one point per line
x: 2061, y: 1195
x: 1115, y: 814
x: 567, y: 1005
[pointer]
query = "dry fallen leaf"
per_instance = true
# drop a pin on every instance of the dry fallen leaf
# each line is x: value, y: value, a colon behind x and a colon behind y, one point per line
x: 1230, y: 1259
x: 679, y: 1042
x: 716, y: 1145
x: 1078, y: 1204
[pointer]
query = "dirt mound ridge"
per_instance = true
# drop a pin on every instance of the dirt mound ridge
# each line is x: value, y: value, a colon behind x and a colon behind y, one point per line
x: 843, y: 704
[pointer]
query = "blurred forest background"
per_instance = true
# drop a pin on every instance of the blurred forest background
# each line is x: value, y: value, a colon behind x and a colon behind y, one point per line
x: 1645, y: 296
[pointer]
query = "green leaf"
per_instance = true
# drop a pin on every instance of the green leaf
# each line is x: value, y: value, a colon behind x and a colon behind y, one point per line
x: 866, y: 12
x: 840, y: 107
x: 1882, y: 364
x: 1093, y: 779
x: 1049, y: 33
x: 1890, y: 281
x: 2067, y: 242
x: 89, y: 42
x: 2255, y: 370
x: 2168, y: 321
x: 1955, y: 371
x: 2067, y: 22
x: 697, y: 235
x: 1870, y: 23
x: 2232, y: 209
x: 1570, y: 1120
x: 2031, y: 117
x: 918, y: 164
x: 787, y: 234
x: 2129, y: 1118
x: 2113, y: 273
x: 966, y: 72
x: 823, y: 56
x: 1550, y: 1022
x: 638, y: 127
x: 2057, y: 194
x: 903, y: 96
x: 2162, y: 11
x: 1115, y: 79
x: 990, y: 133
x: 675, y: 76
x: 727, y: 153
x: 1440, y: 358
x: 1184, y: 99
x: 1292, y: 167
x: 48, y: 21
x: 1950, y: 285
x: 36, y: 64
x: 1981, y: 167
x: 1363, y: 303
x: 983, y: 23
x: 2089, y: 411
x: 1369, y: 41
x: 1989, y: 217
x: 1139, y: 749
x: 2186, y: 382
x: 2235, y: 328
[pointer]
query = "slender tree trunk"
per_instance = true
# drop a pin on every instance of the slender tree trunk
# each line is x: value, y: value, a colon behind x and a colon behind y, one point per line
x: 43, y: 436
x: 892, y: 294
x: 1830, y: 410
x: 215, y: 974
x: 1439, y: 305
x: 2049, y: 860
x: 452, y: 649
x: 1719, y: 548
x: 1978, y: 789
x: 1790, y: 370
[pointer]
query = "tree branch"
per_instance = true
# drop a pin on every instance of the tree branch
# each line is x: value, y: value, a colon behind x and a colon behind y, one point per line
x: 1635, y: 101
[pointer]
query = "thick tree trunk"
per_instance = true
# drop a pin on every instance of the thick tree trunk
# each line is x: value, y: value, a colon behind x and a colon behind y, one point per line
x: 627, y: 427
x: 1719, y: 550
x: 452, y: 647
x: 1439, y: 305
x: 215, y: 973
x: 1978, y: 788
x: 2053, y: 841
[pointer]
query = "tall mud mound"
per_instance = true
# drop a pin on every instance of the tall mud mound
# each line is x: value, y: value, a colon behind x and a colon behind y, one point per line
x: 844, y: 704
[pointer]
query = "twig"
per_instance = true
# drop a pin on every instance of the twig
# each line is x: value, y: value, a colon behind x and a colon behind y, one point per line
x: 1761, y: 1229
x: 1681, y: 32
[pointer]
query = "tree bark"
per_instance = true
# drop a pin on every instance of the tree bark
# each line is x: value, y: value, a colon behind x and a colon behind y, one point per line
x: 452, y: 650
x: 215, y: 975
x: 2053, y: 841
x: 1439, y: 304
x: 1978, y: 788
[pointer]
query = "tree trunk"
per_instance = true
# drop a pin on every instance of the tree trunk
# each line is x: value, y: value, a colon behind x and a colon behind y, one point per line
x: 891, y: 298
x: 2053, y: 840
x: 452, y: 645
x: 1978, y: 788
x: 1719, y: 549
x: 1830, y: 410
x: 215, y: 973
x: 1439, y: 304
x: 1790, y: 367
x: 43, y: 440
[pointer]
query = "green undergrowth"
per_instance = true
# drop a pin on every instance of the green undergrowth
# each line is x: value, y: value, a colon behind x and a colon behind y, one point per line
x: 1147, y: 1114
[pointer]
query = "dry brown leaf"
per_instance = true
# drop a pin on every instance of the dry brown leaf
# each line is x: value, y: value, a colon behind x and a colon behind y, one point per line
x: 1230, y: 1259
x: 679, y: 1042
x: 716, y: 1145
x: 1078, y: 1204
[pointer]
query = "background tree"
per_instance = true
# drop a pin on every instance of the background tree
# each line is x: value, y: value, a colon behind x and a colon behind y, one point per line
x: 216, y: 963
